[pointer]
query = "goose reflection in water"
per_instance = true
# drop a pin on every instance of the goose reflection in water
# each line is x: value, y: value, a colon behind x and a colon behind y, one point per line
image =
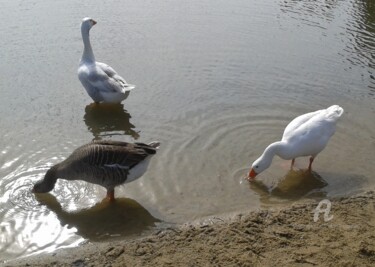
x: 294, y: 185
x: 105, y: 220
x: 108, y: 120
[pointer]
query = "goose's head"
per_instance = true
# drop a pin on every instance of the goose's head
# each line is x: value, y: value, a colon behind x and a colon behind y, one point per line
x: 48, y: 183
x: 258, y: 166
x: 87, y: 23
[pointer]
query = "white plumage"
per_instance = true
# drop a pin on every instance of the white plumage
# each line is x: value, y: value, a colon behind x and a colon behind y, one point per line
x: 101, y: 82
x: 306, y: 135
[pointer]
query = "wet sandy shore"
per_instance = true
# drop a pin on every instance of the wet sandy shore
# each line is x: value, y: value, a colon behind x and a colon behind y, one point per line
x: 283, y: 237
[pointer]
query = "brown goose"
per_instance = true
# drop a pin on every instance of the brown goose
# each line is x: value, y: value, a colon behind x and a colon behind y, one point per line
x: 106, y: 163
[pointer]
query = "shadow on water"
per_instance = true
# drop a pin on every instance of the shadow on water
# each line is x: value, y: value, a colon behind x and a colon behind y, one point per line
x: 108, y: 120
x: 295, y: 185
x: 123, y: 218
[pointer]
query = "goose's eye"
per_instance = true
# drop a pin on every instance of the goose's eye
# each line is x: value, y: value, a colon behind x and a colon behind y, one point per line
x: 256, y: 167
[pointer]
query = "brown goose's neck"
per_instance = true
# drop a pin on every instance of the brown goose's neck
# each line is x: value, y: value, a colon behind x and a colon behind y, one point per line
x: 51, y: 175
x: 48, y: 182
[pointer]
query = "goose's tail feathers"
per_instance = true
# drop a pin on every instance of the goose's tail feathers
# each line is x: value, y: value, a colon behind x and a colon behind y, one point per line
x: 155, y: 144
x: 129, y: 87
x: 334, y: 112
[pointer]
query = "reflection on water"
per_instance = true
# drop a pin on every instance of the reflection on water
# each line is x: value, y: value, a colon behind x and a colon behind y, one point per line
x: 310, y: 12
x: 299, y: 184
x: 28, y: 231
x: 105, y: 120
x: 105, y: 220
x: 357, y: 34
x: 296, y: 184
x: 361, y: 27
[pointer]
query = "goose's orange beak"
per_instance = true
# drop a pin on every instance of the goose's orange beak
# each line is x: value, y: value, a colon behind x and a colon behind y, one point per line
x: 252, y: 174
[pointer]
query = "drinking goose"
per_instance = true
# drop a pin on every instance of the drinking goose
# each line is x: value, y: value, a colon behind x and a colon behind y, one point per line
x: 101, y: 82
x: 106, y: 163
x: 306, y: 135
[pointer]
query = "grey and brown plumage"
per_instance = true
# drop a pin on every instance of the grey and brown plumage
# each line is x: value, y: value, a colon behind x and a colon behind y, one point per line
x: 106, y: 163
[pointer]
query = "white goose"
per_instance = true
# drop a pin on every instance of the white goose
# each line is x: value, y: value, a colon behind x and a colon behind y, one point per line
x: 101, y: 82
x: 306, y: 135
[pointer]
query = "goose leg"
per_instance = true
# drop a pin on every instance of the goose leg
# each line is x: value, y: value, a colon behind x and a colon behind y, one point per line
x: 292, y: 164
x: 311, y: 161
x: 111, y: 194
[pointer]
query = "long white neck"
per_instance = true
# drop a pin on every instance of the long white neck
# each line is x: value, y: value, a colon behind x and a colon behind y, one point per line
x: 88, y: 54
x: 277, y: 148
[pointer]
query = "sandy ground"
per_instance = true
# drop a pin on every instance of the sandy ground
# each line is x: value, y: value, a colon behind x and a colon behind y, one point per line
x: 284, y: 237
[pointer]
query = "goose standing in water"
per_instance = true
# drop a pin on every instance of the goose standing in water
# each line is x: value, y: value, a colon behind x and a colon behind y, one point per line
x: 106, y: 163
x: 306, y: 135
x: 101, y: 82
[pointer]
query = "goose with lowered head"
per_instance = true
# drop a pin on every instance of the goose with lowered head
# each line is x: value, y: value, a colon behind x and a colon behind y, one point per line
x: 105, y: 163
x: 306, y: 135
x: 101, y: 82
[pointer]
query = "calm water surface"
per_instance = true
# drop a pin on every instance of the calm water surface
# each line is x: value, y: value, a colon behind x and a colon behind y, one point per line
x: 217, y: 81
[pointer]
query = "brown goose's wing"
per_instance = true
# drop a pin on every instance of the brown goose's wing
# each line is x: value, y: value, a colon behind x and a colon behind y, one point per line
x: 148, y: 148
x: 112, y: 153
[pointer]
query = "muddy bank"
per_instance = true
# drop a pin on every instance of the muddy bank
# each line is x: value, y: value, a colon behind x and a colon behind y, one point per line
x: 265, y: 238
